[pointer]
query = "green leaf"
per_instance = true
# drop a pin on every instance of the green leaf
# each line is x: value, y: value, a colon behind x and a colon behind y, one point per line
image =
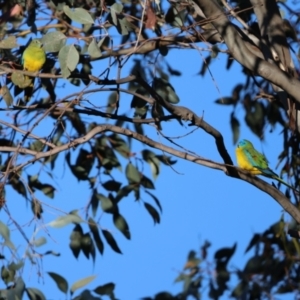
x: 236, y: 92
x: 78, y: 15
x: 7, y: 275
x: 192, y: 260
x: 112, y: 102
x: 174, y: 72
x: 47, y: 189
x: 239, y: 290
x: 166, y: 160
x: 75, y: 240
x: 65, y: 220
x: 115, y: 9
x: 139, y: 128
x: 255, y: 118
x: 147, y: 183
x: 94, y: 50
x: 139, y: 104
x: 9, y: 43
x: 254, y: 265
x: 85, y: 159
x: 20, y: 80
x: 87, y: 245
x: 86, y: 70
x: 121, y: 224
x: 123, y: 192
x: 155, y: 200
x: 6, y: 142
x: 37, y: 146
x: 18, y: 289
x: 181, y: 277
x: 35, y: 294
x: 61, y: 282
x: 4, y: 231
x: 225, y: 253
x: 119, y: 145
x: 122, y: 26
x: 106, y: 289
x: 153, y: 212
x: 95, y: 232
x: 111, y: 241
x: 36, y: 208
x: 226, y: 101
x: 163, y: 50
x: 165, y: 90
x: 75, y: 81
x: 39, y: 242
x: 132, y: 174
x: 178, y: 21
x: 52, y: 253
x: 103, y: 43
x: 53, y: 41
x: 94, y: 202
x: 112, y: 185
x: 175, y: 16
x: 18, y: 186
x: 81, y: 283
x: 235, y: 127
x: 6, y: 95
x: 86, y: 295
x: 256, y: 238
x: 107, y: 204
x: 153, y: 161
x: 214, y: 51
x: 68, y: 59
x: 15, y: 267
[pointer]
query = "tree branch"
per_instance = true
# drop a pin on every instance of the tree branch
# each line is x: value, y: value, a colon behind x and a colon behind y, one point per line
x: 243, y: 55
x: 186, y: 114
x: 240, y: 174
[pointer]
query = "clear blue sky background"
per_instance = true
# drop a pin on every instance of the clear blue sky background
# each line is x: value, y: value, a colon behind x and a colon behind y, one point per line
x: 198, y: 203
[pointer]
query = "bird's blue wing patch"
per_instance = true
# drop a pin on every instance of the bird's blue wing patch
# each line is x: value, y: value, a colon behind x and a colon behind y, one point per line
x: 267, y: 172
x: 249, y: 157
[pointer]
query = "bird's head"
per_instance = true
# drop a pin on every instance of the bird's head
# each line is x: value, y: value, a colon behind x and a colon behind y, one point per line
x: 244, y: 143
x: 36, y: 43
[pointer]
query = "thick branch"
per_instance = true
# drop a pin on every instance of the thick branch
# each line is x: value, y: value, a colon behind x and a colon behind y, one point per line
x: 150, y: 45
x: 272, y: 29
x: 240, y: 174
x: 186, y: 114
x: 242, y: 54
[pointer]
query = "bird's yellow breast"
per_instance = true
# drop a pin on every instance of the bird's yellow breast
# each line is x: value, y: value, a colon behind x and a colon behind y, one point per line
x: 33, y: 64
x: 244, y: 163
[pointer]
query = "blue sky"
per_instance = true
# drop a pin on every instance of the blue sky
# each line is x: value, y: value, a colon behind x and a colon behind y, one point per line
x: 198, y: 203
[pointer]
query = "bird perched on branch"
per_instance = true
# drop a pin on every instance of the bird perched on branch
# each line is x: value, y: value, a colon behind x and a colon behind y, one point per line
x: 33, y: 60
x: 248, y: 158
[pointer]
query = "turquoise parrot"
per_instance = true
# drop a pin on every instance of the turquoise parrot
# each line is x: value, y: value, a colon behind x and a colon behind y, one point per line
x: 33, y: 60
x: 248, y: 158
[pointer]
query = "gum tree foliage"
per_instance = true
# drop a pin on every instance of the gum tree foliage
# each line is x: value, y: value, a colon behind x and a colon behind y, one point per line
x: 89, y: 45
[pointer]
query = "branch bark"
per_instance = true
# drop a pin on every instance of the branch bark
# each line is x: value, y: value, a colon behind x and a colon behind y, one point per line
x: 243, y: 55
x: 239, y: 174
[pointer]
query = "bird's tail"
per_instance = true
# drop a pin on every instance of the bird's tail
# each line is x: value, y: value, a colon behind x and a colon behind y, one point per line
x: 283, y: 182
x: 28, y: 91
x: 269, y: 173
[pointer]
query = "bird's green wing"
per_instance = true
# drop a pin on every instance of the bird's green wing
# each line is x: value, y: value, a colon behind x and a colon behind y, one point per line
x: 255, y: 158
x: 259, y: 161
